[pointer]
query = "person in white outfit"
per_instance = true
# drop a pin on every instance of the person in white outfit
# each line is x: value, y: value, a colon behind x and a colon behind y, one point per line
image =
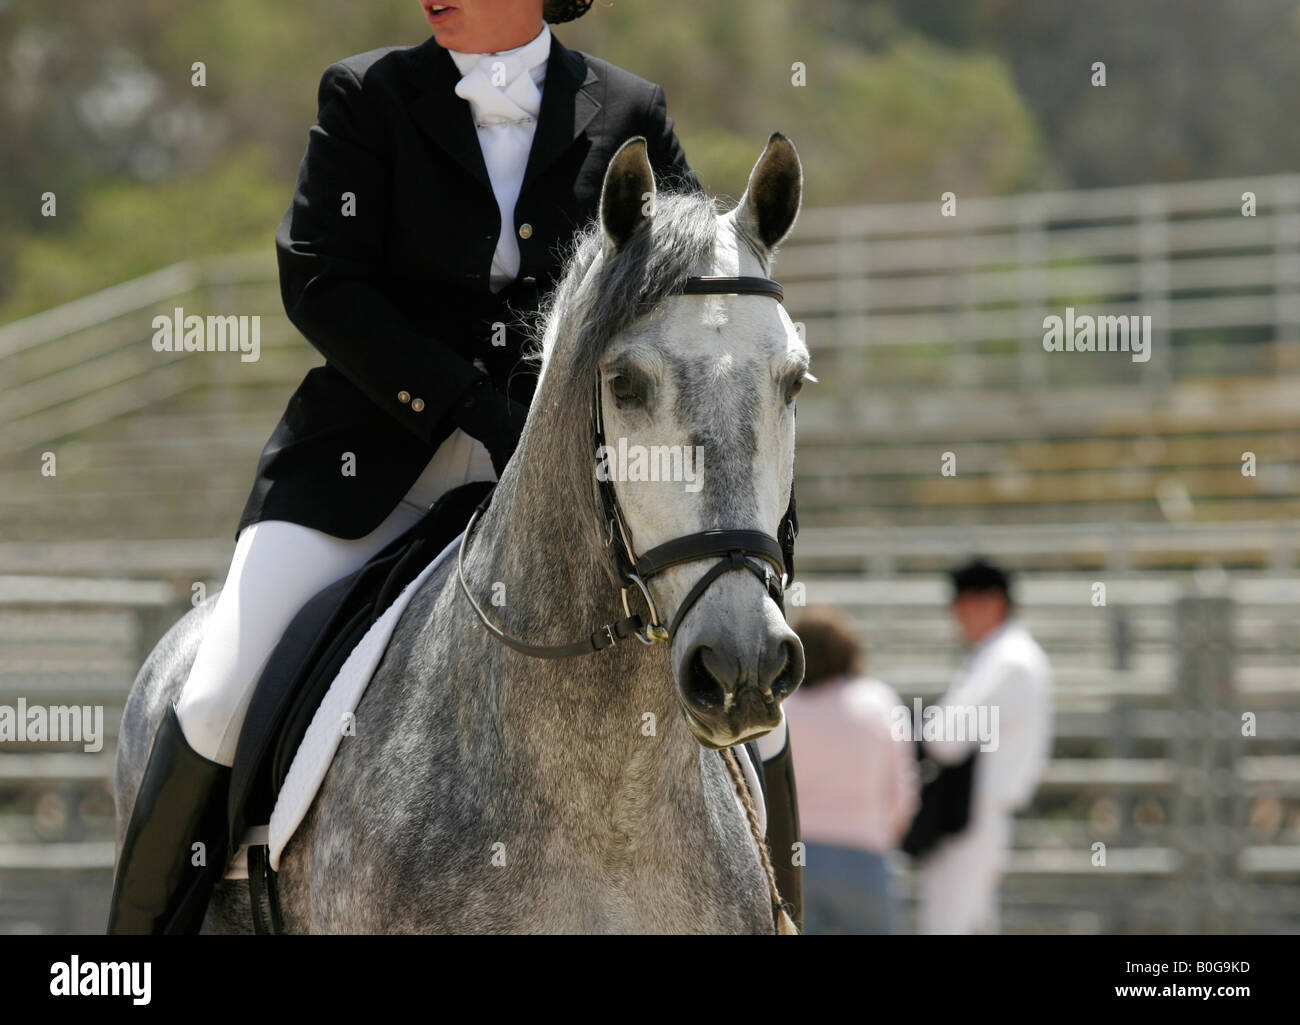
x: 1008, y: 673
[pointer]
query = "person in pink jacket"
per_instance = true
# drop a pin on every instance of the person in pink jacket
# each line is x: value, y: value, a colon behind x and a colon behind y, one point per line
x: 858, y: 787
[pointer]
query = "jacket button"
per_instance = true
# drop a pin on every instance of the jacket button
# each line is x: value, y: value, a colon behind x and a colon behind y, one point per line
x: 403, y: 397
x: 525, y: 231
x: 530, y: 280
x: 417, y: 404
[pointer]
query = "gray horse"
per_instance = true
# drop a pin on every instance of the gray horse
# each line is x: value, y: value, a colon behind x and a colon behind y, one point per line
x: 486, y: 791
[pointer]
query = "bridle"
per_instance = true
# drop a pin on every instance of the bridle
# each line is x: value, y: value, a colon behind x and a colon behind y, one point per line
x: 750, y: 550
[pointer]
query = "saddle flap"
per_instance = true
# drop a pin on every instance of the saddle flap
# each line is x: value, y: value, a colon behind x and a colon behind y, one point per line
x: 317, y: 642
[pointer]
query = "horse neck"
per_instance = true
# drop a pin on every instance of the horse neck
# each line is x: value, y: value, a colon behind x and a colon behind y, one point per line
x: 540, y: 552
x: 587, y: 715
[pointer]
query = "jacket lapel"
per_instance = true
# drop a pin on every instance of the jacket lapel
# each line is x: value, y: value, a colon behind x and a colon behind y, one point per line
x: 567, y: 108
x: 442, y: 115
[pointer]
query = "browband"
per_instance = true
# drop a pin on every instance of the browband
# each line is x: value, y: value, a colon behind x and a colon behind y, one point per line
x: 724, y: 285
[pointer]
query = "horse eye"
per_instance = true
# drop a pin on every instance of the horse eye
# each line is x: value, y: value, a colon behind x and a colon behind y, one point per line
x: 621, y: 387
x: 796, y: 386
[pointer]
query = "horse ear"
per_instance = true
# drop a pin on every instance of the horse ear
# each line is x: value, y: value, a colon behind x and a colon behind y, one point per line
x: 627, y: 197
x: 771, y: 201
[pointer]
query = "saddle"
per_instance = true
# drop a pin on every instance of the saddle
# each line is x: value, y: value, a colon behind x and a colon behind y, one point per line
x: 315, y: 645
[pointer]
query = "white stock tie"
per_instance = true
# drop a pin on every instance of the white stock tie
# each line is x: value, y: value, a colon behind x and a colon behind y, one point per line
x: 506, y: 118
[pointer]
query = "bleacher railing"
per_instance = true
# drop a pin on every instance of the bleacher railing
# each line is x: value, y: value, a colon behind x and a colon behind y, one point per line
x: 892, y: 297
x: 902, y: 295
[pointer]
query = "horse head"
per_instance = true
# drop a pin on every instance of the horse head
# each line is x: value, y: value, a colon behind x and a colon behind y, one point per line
x: 696, y: 398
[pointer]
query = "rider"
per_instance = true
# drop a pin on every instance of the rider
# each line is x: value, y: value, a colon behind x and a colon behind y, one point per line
x: 439, y: 186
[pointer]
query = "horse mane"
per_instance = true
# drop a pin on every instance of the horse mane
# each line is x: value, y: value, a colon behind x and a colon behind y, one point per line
x: 596, y: 299
x: 651, y: 266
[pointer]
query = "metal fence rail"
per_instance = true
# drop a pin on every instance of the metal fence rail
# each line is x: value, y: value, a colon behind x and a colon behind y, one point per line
x: 1153, y: 757
x: 926, y: 333
x: 892, y: 296
x: 872, y: 282
x: 1148, y: 755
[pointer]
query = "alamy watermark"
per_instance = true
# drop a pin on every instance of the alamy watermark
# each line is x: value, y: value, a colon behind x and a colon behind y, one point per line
x: 191, y: 333
x: 682, y: 464
x: 1085, y: 333
x: 75, y: 978
x: 53, y: 724
x: 946, y: 722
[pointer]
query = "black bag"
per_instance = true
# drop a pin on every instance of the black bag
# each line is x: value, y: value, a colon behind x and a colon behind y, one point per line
x: 945, y: 804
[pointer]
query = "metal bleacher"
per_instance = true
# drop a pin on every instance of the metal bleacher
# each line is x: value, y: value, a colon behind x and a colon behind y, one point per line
x: 1070, y: 468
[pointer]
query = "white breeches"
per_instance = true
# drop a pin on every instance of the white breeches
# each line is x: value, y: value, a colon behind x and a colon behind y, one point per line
x: 277, y: 567
x: 959, y: 880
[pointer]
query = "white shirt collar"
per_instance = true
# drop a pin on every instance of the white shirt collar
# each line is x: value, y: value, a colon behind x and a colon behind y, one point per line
x: 530, y: 57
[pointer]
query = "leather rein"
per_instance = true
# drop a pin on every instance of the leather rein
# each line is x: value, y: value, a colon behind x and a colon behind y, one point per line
x: 751, y: 550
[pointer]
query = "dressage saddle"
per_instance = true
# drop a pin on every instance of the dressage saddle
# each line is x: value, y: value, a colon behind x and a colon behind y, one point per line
x: 317, y: 642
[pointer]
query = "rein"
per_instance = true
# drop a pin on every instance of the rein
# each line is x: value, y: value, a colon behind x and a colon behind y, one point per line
x: 750, y: 550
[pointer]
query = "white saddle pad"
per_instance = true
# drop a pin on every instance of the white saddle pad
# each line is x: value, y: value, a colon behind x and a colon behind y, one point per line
x: 312, y: 760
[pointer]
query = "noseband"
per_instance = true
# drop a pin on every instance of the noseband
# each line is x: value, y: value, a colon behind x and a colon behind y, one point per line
x: 750, y: 550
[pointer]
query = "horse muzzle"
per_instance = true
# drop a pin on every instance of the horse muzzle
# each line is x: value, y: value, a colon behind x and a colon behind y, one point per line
x: 734, y: 671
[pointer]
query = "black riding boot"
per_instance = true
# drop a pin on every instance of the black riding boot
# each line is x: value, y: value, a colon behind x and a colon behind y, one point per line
x: 783, y: 829
x: 181, y: 802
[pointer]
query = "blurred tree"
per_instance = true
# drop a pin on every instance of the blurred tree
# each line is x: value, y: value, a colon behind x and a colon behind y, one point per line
x: 125, y: 229
x: 904, y: 119
x: 99, y: 97
x: 99, y: 107
x: 1195, y: 88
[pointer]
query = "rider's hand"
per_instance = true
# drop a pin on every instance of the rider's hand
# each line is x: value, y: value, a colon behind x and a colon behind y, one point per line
x: 492, y: 418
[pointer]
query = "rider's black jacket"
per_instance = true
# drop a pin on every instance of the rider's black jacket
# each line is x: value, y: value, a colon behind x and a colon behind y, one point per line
x: 385, y: 255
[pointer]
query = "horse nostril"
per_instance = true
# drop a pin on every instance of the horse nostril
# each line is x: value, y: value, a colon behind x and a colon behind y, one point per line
x: 700, y: 686
x: 790, y: 676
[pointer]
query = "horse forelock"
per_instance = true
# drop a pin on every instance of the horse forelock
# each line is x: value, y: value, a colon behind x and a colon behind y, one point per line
x: 598, y: 297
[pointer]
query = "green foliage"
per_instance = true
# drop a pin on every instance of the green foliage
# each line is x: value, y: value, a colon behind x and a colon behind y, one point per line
x: 98, y: 107
x: 126, y: 229
x: 905, y: 99
x: 906, y: 121
x: 1194, y: 88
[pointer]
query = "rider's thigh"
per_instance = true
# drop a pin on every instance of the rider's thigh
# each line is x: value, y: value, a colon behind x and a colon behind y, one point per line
x: 277, y: 567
